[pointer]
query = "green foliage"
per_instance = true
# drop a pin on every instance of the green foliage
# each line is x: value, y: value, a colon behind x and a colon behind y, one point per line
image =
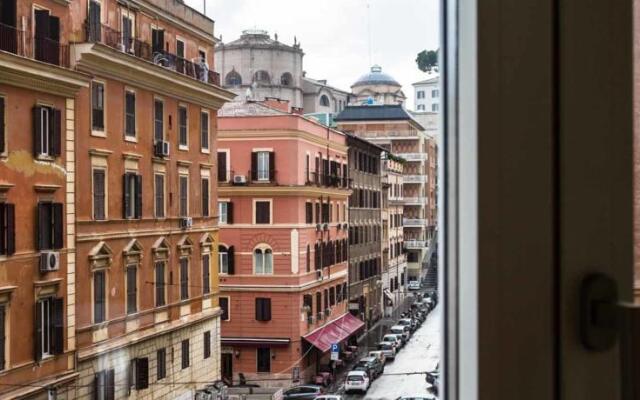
x: 427, y: 60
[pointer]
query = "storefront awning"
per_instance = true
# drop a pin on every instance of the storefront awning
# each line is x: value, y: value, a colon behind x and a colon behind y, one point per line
x: 254, y: 341
x: 334, y: 332
x: 388, y: 297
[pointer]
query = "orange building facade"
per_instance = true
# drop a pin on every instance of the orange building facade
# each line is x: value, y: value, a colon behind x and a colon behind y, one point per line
x: 283, y: 241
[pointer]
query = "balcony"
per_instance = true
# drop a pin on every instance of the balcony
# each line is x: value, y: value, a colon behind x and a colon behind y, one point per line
x: 196, y: 69
x: 415, y: 244
x: 415, y: 201
x: 414, y: 222
x: 318, y: 179
x: 249, y: 178
x: 408, y: 134
x: 23, y: 44
x: 414, y: 179
x: 413, y: 156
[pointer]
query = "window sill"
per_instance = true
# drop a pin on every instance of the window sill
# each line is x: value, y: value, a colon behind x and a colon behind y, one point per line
x: 96, y: 133
x: 183, y: 148
x: 132, y: 139
x: 205, y: 151
x: 45, y: 158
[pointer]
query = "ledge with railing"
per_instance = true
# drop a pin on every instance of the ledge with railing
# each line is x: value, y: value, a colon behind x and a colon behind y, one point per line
x: 43, y: 49
x: 318, y: 179
x: 197, y: 69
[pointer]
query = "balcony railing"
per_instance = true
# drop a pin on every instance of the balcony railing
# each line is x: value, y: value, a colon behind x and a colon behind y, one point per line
x: 318, y: 179
x: 413, y: 156
x: 42, y: 49
x: 415, y: 244
x: 115, y: 39
x: 415, y: 200
x: 414, y: 178
x: 387, y: 134
x: 414, y: 222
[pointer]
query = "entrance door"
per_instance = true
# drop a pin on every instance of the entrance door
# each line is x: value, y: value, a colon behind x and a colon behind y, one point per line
x: 227, y: 366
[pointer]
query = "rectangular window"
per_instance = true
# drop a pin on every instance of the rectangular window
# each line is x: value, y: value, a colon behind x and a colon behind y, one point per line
x: 185, y: 353
x: 182, y: 126
x: 222, y: 166
x: 264, y: 359
x: 223, y: 260
x: 435, y: 93
x: 421, y: 94
x: 263, y: 309
x: 435, y: 107
x: 127, y: 31
x: 138, y: 374
x: 132, y: 289
x: 105, y: 384
x: 206, y: 351
x: 158, y: 120
x: 224, y: 306
x: 47, y: 123
x: 204, y: 130
x: 160, y: 283
x: 3, y: 311
x: 130, y: 114
x: 223, y: 212
x: 50, y: 226
x: 49, y: 327
x: 263, y: 165
x: 132, y: 195
x: 97, y: 106
x: 184, y: 279
x: 157, y: 40
x: 308, y: 213
x: 184, y: 195
x: 99, y: 298
x: 7, y: 228
x: 94, y: 21
x: 3, y: 138
x: 206, y: 273
x: 99, y: 197
x: 263, y: 212
x: 205, y: 197
x: 161, y: 364
x: 159, y: 195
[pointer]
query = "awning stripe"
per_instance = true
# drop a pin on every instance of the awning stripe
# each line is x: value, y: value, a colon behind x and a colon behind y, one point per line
x: 334, y: 332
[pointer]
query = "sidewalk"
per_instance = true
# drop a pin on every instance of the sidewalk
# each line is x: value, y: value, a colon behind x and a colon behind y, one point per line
x: 369, y: 341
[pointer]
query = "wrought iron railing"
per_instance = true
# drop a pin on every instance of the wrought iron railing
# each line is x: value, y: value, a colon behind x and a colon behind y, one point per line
x: 42, y: 49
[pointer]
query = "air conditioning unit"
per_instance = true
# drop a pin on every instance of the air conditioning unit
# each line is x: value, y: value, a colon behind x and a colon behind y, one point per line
x: 161, y: 149
x: 239, y: 179
x: 186, y: 222
x: 49, y: 261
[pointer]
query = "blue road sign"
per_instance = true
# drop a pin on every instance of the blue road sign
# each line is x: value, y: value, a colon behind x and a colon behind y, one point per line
x: 334, y: 348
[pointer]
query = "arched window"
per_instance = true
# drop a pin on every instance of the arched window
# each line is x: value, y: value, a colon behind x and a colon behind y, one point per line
x: 324, y: 101
x: 262, y: 76
x: 286, y: 79
x: 263, y: 260
x: 233, y: 79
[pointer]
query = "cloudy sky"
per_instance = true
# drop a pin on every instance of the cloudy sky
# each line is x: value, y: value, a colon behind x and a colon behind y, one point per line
x: 334, y: 33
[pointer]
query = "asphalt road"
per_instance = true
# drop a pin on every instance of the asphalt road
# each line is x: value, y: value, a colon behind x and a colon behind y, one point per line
x: 419, y: 355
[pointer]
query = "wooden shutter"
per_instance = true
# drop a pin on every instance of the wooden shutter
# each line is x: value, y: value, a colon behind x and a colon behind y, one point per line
x: 272, y: 165
x: 98, y: 194
x: 98, y: 296
x: 97, y: 384
x: 58, y: 223
x: 2, y: 125
x: 224, y: 306
x: 138, y: 210
x: 37, y: 333
x: 130, y: 112
x: 2, y: 337
x: 267, y: 309
x: 94, y: 22
x: 258, y: 309
x: 184, y: 278
x: 110, y: 383
x: 231, y: 260
x: 142, y: 373
x: 206, y: 280
x: 57, y: 328
x: 159, y: 272
x: 126, y: 32
x: 9, y: 228
x: 37, y: 131
x: 229, y: 213
x: 207, y: 344
x: 205, y: 197
x: 204, y: 130
x: 254, y: 166
x: 126, y: 196
x: 222, y: 166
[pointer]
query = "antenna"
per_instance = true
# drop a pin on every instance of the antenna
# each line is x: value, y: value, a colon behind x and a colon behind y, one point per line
x: 369, y: 29
x: 204, y: 7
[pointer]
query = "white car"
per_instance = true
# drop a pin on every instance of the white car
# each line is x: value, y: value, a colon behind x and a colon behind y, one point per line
x: 379, y: 354
x: 394, y: 339
x: 401, y: 330
x: 414, y: 285
x: 388, y: 349
x: 357, y: 381
x: 329, y: 397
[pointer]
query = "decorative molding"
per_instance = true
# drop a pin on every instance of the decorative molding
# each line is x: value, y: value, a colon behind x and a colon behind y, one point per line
x: 282, y: 191
x: 183, y: 163
x: 42, y: 77
x: 100, y: 152
x: 131, y: 156
x: 45, y: 187
x: 46, y: 288
x: 111, y: 63
x: 5, y: 186
x: 5, y: 293
x: 100, y: 256
x: 227, y: 136
x: 206, y: 165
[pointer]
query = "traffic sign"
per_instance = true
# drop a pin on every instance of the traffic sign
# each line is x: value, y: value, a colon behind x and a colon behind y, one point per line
x: 335, y: 352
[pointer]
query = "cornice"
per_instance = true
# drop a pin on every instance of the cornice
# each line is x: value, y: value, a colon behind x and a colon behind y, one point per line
x: 298, y: 191
x: 36, y: 75
x: 97, y: 58
x: 227, y: 135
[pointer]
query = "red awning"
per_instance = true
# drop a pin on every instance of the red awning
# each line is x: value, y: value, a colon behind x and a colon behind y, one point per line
x: 334, y: 332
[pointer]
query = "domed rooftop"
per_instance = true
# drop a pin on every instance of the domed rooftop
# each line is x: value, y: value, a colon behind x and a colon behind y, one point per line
x: 376, y: 77
x: 258, y: 38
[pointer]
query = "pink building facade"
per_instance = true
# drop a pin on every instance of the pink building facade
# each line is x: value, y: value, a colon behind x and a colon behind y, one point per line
x: 283, y: 194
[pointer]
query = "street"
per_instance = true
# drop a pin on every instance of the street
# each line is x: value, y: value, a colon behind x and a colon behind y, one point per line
x: 420, y: 354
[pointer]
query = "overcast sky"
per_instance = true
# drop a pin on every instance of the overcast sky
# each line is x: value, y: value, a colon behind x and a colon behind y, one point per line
x: 334, y: 33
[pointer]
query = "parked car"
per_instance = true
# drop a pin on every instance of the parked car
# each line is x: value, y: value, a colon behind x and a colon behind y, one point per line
x: 416, y: 398
x: 329, y: 397
x: 410, y: 322
x: 401, y: 330
x: 379, y: 355
x: 371, y: 365
x: 414, y: 285
x: 393, y: 339
x: 303, y: 392
x: 388, y: 349
x: 357, y: 381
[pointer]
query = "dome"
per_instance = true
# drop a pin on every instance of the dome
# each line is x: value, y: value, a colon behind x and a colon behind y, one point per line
x: 376, y: 77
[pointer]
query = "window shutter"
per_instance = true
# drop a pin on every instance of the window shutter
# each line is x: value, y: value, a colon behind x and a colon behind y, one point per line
x: 44, y: 226
x: 231, y: 260
x: 272, y: 165
x: 98, y: 194
x: 37, y: 333
x: 258, y: 309
x: 229, y: 213
x: 57, y: 328
x: 267, y: 309
x: 10, y: 228
x: 222, y: 166
x: 97, y: 387
x: 110, y: 383
x: 138, y: 211
x: 2, y: 337
x: 2, y: 125
x: 94, y: 21
x: 126, y: 33
x: 207, y: 344
x: 58, y: 223
x: 206, y: 280
x: 254, y: 166
x: 142, y: 373
x: 205, y: 197
x: 37, y: 130
x: 126, y: 196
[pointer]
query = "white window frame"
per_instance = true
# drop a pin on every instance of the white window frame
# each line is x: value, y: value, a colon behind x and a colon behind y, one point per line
x: 164, y: 197
x: 228, y: 309
x: 261, y: 269
x: 180, y: 176
x: 221, y: 264
x: 184, y: 147
x: 263, y: 172
x: 205, y: 150
x: 45, y: 312
x: 106, y: 192
x: 223, y: 216
x: 253, y: 216
x: 128, y: 137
